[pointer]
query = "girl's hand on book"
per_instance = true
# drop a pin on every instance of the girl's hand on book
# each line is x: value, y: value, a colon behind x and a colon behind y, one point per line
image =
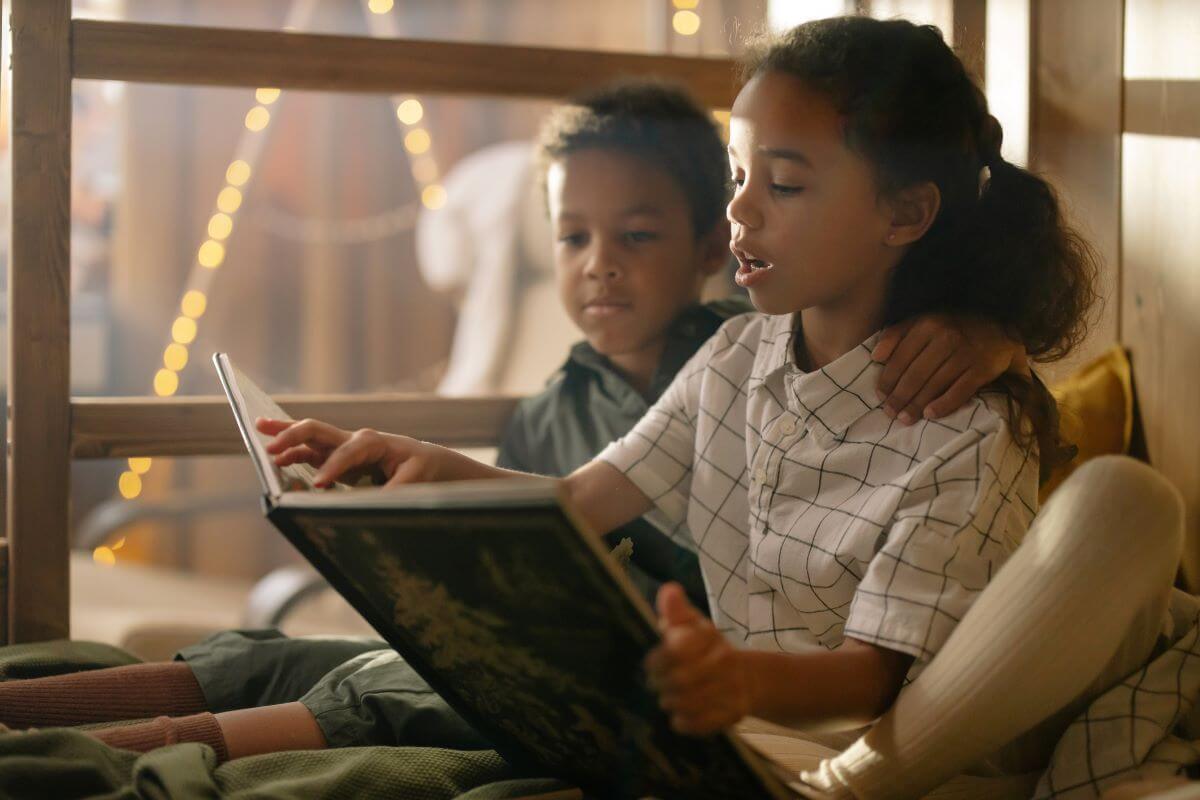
x: 701, y: 678
x: 342, y: 455
x: 933, y: 364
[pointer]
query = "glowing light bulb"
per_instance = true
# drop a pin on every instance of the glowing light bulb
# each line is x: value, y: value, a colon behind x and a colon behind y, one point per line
x: 266, y: 95
x: 104, y: 556
x: 685, y: 4
x: 193, y: 304
x: 238, y: 173
x: 166, y: 383
x: 417, y: 141
x: 139, y: 466
x: 229, y: 200
x: 686, y: 23
x: 175, y: 357
x: 220, y: 226
x: 433, y: 196
x: 380, y: 6
x: 410, y: 111
x: 183, y: 330
x: 257, y: 118
x: 129, y: 484
x: 424, y: 169
x: 211, y: 254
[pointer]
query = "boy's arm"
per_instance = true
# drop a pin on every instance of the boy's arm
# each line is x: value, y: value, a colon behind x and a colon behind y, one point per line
x: 935, y: 363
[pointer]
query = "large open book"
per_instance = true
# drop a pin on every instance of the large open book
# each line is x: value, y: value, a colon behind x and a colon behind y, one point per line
x: 517, y: 617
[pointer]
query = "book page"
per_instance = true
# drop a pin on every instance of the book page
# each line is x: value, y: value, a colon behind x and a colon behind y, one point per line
x: 249, y: 403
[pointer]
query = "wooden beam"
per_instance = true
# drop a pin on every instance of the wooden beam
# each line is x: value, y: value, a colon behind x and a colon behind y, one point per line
x: 126, y: 51
x: 1162, y: 108
x: 39, y: 321
x: 1075, y: 138
x: 120, y: 427
x: 970, y: 36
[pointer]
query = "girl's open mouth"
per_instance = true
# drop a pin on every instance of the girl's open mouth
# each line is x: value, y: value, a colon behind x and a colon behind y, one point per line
x: 751, y: 271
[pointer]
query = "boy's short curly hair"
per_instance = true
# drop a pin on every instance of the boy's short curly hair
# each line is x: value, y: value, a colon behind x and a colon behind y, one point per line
x: 657, y: 122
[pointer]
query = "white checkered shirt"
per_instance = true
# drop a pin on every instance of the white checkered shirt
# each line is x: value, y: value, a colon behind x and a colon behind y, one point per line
x: 815, y: 515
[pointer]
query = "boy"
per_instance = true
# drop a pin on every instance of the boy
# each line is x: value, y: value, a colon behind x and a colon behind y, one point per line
x: 636, y: 186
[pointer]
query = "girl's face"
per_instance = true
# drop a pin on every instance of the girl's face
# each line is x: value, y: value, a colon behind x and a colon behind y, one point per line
x: 808, y: 228
x: 626, y: 259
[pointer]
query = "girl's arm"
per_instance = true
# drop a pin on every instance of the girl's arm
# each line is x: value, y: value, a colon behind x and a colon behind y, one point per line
x: 706, y: 684
x: 599, y: 493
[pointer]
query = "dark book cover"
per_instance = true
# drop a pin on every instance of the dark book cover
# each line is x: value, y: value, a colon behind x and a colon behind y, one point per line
x: 523, y: 623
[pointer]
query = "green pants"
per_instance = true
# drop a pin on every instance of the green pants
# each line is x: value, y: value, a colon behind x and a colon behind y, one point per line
x: 360, y: 691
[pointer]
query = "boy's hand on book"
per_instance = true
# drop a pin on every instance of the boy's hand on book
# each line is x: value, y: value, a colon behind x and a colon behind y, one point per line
x: 935, y: 363
x: 347, y: 456
x: 700, y: 677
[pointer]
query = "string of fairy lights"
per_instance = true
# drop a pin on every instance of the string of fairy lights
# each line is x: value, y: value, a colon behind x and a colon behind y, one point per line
x: 212, y: 252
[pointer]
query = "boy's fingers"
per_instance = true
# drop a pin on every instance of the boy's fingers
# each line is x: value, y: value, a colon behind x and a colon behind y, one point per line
x: 953, y: 398
x: 938, y: 385
x: 897, y: 363
x: 923, y: 368
x: 888, y: 340
x: 691, y: 675
x: 674, y: 607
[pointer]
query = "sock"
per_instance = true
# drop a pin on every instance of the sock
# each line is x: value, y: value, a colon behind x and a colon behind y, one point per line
x: 136, y: 691
x: 143, y: 737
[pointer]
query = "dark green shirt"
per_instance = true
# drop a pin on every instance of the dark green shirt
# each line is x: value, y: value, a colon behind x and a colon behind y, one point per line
x: 588, y: 404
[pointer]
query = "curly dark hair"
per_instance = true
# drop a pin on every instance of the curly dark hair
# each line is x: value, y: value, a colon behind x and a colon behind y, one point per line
x: 657, y: 122
x: 999, y: 247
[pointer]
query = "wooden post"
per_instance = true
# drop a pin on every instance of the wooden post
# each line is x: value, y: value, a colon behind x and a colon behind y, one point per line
x: 1075, y: 136
x: 39, y: 321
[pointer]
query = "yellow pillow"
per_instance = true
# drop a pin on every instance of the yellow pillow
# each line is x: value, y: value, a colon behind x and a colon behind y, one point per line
x: 1095, y: 407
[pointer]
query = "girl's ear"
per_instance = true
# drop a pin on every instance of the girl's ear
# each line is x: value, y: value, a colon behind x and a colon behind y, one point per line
x: 914, y: 208
x: 714, y: 248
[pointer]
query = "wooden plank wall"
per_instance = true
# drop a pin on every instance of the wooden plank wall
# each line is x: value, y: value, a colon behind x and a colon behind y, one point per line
x: 1075, y: 137
x: 1160, y: 245
x: 39, y: 320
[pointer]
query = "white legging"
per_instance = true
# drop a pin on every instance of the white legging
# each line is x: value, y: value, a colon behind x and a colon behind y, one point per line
x: 1076, y: 609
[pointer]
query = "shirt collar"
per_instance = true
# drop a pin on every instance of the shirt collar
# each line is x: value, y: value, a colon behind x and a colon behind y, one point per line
x: 694, y: 325
x: 829, y: 399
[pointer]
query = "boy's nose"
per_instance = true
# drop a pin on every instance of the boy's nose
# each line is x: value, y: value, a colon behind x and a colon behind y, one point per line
x: 602, y: 264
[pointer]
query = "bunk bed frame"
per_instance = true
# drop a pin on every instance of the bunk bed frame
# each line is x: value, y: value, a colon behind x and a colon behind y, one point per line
x: 48, y: 428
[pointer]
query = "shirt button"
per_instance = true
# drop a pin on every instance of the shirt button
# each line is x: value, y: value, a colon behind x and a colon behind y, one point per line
x: 788, y: 427
x: 759, y: 475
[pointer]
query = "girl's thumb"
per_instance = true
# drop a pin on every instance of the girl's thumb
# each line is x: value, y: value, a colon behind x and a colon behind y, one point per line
x: 673, y: 605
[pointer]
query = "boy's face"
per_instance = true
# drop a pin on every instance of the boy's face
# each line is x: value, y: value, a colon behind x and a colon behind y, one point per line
x: 808, y: 227
x: 625, y: 256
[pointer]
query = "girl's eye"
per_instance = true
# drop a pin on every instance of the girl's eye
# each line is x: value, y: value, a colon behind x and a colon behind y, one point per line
x: 573, y: 239
x: 786, y: 191
x: 640, y: 237
x: 738, y: 181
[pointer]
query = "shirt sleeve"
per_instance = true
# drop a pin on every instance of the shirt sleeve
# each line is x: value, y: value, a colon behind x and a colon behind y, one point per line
x: 657, y: 454
x: 962, y: 515
x: 515, y: 446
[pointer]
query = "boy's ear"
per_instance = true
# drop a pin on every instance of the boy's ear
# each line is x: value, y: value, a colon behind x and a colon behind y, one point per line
x: 913, y: 208
x: 714, y: 248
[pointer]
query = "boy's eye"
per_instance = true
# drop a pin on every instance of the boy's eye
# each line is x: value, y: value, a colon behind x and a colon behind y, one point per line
x: 782, y: 189
x: 639, y: 237
x: 573, y: 239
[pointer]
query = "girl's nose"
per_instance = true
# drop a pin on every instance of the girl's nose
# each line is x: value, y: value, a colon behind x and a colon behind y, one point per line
x: 742, y: 211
